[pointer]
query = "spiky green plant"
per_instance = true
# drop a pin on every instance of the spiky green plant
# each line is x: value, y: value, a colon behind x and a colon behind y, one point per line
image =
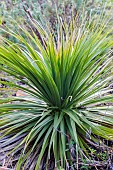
x: 67, y: 88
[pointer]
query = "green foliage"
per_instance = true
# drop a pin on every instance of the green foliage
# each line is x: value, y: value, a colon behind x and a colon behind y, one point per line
x: 46, y: 10
x: 66, y: 89
x: 103, y: 156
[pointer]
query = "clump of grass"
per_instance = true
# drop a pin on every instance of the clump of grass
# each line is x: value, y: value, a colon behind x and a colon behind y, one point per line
x: 67, y: 84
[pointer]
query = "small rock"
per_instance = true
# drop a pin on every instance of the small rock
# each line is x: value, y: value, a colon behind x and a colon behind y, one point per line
x: 20, y: 93
x: 4, y: 168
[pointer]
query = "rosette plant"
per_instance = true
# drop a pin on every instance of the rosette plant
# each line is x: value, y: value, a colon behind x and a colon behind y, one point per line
x: 67, y: 101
